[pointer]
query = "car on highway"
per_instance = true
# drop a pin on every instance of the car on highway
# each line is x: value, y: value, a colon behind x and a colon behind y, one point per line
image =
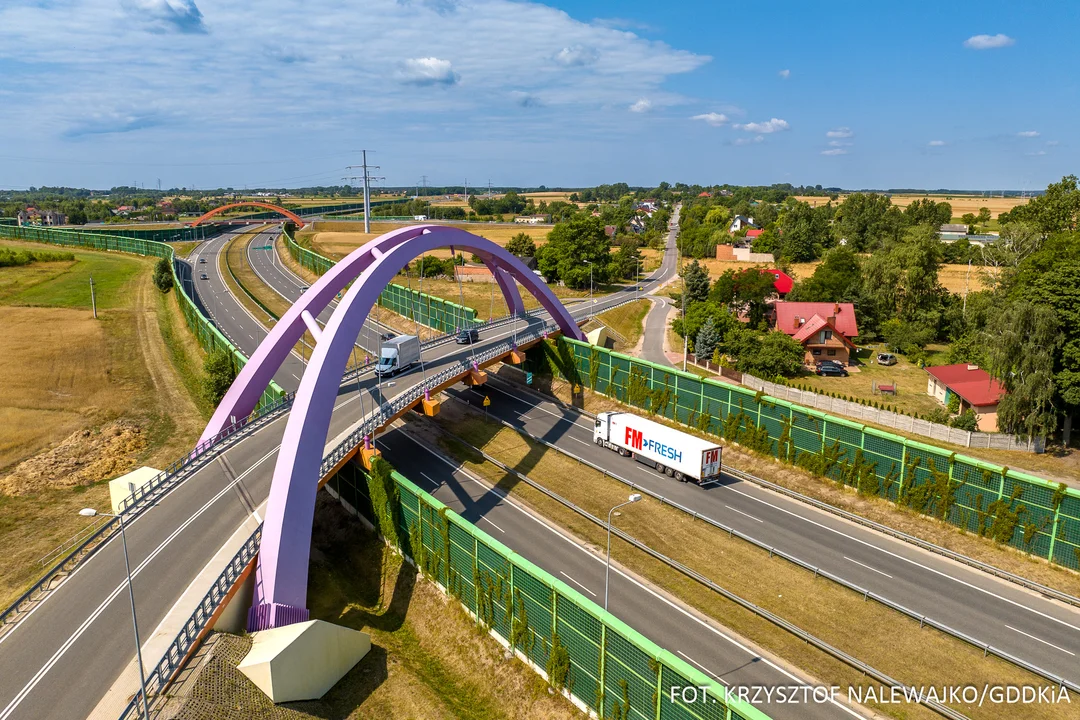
x: 303, y: 289
x: 202, y: 261
x: 387, y: 336
x: 204, y: 276
x: 885, y: 358
x: 468, y: 337
x: 831, y: 368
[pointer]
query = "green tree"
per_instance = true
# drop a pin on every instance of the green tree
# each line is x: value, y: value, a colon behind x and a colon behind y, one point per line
x: 219, y: 372
x: 700, y: 313
x: 804, y: 232
x: 866, y: 220
x: 163, y: 277
x: 928, y: 212
x: 1021, y: 342
x: 903, y: 279
x: 744, y: 292
x: 707, y: 339
x: 695, y: 282
x: 836, y: 279
x: 1055, y: 210
x: 521, y: 245
x: 571, y: 247
x: 765, y: 355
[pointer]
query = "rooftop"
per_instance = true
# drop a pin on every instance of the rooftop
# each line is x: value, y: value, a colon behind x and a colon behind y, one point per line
x: 970, y: 382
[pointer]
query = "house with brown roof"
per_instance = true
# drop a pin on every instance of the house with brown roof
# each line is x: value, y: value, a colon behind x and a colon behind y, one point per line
x: 825, y: 330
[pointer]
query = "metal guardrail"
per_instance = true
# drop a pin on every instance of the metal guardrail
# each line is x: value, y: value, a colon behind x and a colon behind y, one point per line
x: 795, y: 630
x: 194, y: 629
x: 138, y: 501
x: 867, y: 594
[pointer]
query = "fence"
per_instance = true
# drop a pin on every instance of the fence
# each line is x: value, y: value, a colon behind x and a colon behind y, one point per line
x: 906, y: 423
x: 435, y: 312
x: 177, y: 234
x: 604, y: 664
x: 210, y: 338
x: 1015, y: 508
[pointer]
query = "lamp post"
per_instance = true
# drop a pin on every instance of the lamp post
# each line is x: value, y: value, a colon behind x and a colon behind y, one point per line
x: 607, y: 568
x: 91, y: 512
x: 589, y: 263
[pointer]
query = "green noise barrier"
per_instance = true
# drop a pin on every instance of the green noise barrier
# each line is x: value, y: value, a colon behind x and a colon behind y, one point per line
x: 177, y: 234
x: 603, y: 663
x: 210, y: 338
x: 1014, y: 508
x: 434, y: 312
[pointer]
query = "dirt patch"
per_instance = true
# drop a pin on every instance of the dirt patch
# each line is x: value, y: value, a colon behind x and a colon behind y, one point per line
x: 84, y: 457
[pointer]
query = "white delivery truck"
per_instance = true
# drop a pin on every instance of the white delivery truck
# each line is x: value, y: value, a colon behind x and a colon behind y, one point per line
x: 398, y: 354
x: 682, y: 456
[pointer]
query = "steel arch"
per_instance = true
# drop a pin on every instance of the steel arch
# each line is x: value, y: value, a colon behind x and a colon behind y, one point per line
x: 291, y: 215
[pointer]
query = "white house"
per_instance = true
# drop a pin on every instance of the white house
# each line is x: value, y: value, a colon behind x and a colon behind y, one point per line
x: 740, y: 222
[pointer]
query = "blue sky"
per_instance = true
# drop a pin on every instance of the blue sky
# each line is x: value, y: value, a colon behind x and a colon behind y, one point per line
x: 211, y: 93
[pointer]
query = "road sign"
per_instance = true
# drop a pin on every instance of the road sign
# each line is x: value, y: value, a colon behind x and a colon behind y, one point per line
x: 487, y: 401
x: 577, y: 389
x: 265, y: 247
x: 528, y: 378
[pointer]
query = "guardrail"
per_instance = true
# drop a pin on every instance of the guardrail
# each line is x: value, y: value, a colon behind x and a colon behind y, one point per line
x: 135, y: 503
x: 195, y: 629
x: 761, y: 612
x: 867, y: 594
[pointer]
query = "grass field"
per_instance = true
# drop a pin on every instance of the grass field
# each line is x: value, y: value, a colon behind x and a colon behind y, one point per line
x: 955, y: 278
x: 427, y: 658
x: 627, y: 320
x: 869, y: 631
x: 336, y: 240
x: 83, y: 400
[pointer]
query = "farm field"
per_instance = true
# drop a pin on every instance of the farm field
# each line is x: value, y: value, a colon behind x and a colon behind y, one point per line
x: 84, y: 400
x: 961, y: 204
x: 336, y: 240
x: 954, y: 277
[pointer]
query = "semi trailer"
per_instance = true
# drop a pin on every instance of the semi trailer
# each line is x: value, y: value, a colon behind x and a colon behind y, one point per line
x: 676, y: 454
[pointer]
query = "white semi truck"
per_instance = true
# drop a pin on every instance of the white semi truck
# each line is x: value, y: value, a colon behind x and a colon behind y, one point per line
x: 683, y: 457
x: 398, y: 354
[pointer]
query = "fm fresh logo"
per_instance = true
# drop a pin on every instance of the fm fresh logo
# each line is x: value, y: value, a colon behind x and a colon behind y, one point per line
x: 633, y: 438
x: 636, y: 440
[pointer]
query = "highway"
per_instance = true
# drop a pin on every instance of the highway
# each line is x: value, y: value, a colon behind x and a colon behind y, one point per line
x: 60, y: 660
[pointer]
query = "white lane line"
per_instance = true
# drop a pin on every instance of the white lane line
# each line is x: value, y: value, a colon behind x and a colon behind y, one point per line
x: 742, y: 513
x: 577, y: 583
x: 868, y: 567
x: 678, y: 608
x: 428, y: 478
x: 580, y: 441
x: 296, y: 376
x: 492, y: 524
x: 909, y: 560
x: 1041, y: 640
x: 251, y: 336
x: 17, y: 700
x: 567, y: 418
x: 695, y: 662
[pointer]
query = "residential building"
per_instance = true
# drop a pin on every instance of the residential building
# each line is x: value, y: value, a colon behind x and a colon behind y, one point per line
x: 752, y: 234
x: 740, y: 222
x: 825, y: 330
x: 972, y: 385
x: 533, y: 219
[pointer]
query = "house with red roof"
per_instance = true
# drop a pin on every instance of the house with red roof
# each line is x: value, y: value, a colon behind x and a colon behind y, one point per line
x: 972, y: 385
x: 784, y: 282
x: 751, y: 234
x: 825, y: 330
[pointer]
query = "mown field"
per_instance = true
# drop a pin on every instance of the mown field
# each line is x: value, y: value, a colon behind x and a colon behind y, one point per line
x: 961, y: 204
x: 338, y: 239
x: 955, y: 278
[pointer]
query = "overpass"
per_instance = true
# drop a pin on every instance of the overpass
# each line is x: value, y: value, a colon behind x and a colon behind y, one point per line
x: 248, y: 203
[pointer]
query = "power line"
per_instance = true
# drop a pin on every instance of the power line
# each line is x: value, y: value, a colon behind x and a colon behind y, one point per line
x: 368, y: 177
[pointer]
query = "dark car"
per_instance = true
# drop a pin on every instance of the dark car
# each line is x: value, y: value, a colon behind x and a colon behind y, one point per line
x: 830, y: 368
x: 204, y: 276
x: 202, y: 261
x: 468, y: 337
x: 387, y: 336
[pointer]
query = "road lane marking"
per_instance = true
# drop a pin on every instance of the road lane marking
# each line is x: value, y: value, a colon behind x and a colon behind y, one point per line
x: 577, y: 583
x: 1041, y: 640
x: 493, y: 524
x: 695, y: 662
x: 742, y: 513
x: 909, y: 560
x: 678, y: 608
x: 868, y: 567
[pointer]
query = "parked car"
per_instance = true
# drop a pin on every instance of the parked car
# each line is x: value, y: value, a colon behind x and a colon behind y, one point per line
x: 204, y: 276
x: 830, y: 368
x: 468, y: 337
x: 885, y: 358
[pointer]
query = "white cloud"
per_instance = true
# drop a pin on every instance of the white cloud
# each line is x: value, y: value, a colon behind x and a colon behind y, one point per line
x: 576, y: 56
x: 162, y: 16
x: 427, y: 71
x: 784, y: 74
x: 1036, y: 153
x: 750, y: 141
x: 835, y: 151
x: 988, y: 42
x: 1028, y: 134
x: 766, y: 127
x: 642, y: 105
x: 840, y: 132
x: 713, y: 118
x: 937, y: 143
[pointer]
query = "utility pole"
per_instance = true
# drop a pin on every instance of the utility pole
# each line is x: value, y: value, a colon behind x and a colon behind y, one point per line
x: 93, y: 301
x: 466, y: 192
x: 423, y: 181
x: 368, y: 177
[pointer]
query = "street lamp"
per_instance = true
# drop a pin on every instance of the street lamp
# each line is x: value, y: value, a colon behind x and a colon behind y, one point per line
x: 91, y: 512
x: 589, y: 263
x: 607, y: 569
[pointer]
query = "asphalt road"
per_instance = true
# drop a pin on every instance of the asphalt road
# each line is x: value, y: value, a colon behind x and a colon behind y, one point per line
x: 1043, y: 632
x: 61, y: 659
x: 705, y: 645
x: 652, y: 346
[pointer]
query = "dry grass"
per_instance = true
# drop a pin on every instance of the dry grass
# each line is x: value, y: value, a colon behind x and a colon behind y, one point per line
x: 627, y: 320
x: 334, y: 241
x: 961, y: 204
x: 876, y: 509
x: 427, y: 658
x: 955, y: 278
x: 884, y: 639
x: 68, y: 374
